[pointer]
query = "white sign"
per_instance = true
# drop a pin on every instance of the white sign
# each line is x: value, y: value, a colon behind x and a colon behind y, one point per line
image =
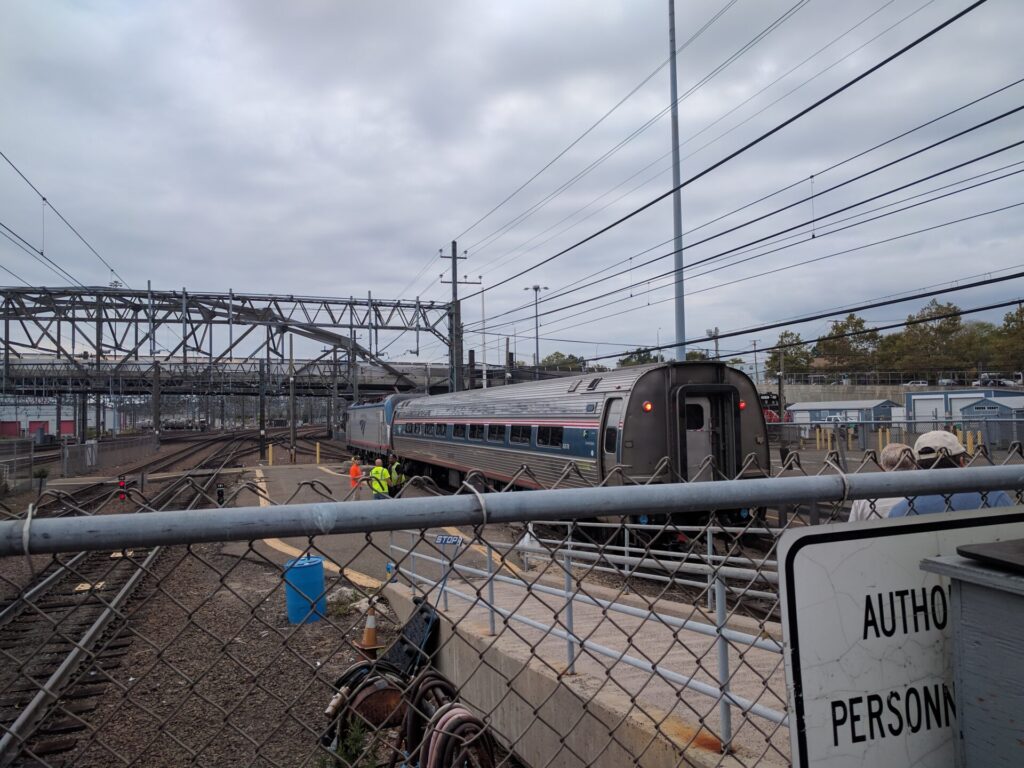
x: 867, y: 636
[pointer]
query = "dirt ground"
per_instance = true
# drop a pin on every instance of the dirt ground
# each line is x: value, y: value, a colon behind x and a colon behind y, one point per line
x: 216, y: 676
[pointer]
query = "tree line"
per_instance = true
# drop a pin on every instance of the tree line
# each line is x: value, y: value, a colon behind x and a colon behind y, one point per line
x: 936, y: 338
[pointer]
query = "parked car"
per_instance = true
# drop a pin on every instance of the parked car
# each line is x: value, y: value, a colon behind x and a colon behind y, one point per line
x: 918, y: 383
x: 949, y: 383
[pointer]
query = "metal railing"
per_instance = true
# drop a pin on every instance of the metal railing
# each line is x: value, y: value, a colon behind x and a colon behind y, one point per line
x: 635, y: 624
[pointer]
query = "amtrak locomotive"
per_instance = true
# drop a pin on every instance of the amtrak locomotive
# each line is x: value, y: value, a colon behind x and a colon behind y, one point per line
x: 658, y: 422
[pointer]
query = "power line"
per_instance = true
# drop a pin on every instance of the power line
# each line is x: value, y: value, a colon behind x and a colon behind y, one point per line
x: 557, y: 293
x: 60, y: 215
x: 749, y: 145
x: 15, y: 276
x: 600, y: 120
x: 763, y: 241
x: 37, y: 254
x: 835, y: 312
x: 712, y: 124
x: 735, y: 56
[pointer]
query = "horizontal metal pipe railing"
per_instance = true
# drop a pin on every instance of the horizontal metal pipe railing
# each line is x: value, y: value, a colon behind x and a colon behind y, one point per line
x: 747, y: 706
x: 247, y: 523
x: 688, y: 625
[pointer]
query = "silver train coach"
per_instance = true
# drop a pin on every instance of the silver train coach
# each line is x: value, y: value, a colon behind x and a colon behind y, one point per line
x: 658, y: 422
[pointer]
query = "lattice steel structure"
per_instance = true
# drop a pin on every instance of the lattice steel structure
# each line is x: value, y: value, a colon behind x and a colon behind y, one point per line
x: 104, y: 341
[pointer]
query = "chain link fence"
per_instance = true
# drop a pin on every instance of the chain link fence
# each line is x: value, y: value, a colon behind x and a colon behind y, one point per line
x: 93, y: 456
x: 17, y: 463
x: 628, y: 625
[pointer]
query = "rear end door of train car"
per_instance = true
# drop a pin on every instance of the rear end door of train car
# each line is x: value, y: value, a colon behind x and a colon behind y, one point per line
x: 708, y: 426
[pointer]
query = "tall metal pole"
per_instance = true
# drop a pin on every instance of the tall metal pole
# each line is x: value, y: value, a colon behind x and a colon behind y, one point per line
x: 536, y: 333
x: 291, y: 395
x: 263, y: 409
x: 677, y: 195
x: 156, y: 400
x: 483, y: 335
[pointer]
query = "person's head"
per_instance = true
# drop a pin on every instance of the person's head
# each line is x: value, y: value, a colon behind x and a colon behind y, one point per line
x: 939, y: 449
x: 896, y: 457
x: 378, y: 463
x: 355, y: 460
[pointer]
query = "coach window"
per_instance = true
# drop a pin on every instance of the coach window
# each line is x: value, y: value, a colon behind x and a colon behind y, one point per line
x: 694, y: 416
x: 476, y: 431
x: 428, y: 429
x: 459, y: 430
x: 611, y: 437
x: 441, y: 430
x: 520, y: 434
x: 550, y: 436
x: 415, y: 429
x: 496, y: 433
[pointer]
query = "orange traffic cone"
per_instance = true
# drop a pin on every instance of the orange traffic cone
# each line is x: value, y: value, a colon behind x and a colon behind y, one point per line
x: 369, y: 645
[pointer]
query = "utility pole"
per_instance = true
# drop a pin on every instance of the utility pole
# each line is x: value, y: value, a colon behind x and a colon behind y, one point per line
x: 757, y: 376
x: 677, y: 195
x: 713, y: 333
x: 156, y: 400
x: 782, y: 378
x: 483, y: 334
x: 455, y: 321
x: 263, y: 409
x: 291, y: 395
x: 536, y: 327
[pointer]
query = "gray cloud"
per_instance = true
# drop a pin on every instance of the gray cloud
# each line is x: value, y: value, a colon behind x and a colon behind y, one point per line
x: 331, y: 148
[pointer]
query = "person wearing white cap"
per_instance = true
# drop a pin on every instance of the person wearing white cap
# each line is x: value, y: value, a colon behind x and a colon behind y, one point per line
x: 941, y: 450
x: 895, y: 457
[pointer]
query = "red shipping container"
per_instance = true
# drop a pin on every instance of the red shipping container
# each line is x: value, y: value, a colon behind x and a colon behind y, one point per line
x: 34, y: 425
x: 10, y: 429
x: 67, y: 427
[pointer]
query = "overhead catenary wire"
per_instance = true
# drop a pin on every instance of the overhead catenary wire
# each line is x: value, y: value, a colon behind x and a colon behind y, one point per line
x: 760, y: 241
x: 709, y: 126
x: 37, y: 254
x: 68, y: 224
x: 746, y: 147
x: 749, y: 45
x: 598, y: 122
x: 835, y: 312
x: 560, y: 292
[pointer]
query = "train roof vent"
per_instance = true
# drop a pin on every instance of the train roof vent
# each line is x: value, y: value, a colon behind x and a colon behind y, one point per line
x: 594, y: 382
x: 575, y: 386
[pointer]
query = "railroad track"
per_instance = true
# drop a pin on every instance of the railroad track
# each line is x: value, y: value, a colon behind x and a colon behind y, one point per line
x: 73, y: 615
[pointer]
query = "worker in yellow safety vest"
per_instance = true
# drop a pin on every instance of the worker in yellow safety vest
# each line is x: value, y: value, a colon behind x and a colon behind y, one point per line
x: 397, y: 477
x: 379, y: 478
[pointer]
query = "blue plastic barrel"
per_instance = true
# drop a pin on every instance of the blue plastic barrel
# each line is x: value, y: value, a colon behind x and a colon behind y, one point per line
x: 304, y: 586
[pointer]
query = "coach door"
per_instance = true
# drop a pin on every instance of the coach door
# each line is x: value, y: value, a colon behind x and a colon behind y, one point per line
x: 610, y: 434
x: 698, y: 428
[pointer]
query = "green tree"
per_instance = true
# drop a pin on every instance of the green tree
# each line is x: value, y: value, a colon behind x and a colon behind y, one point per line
x: 641, y: 357
x: 697, y: 354
x: 797, y: 359
x: 1008, y: 342
x: 562, y: 361
x: 846, y: 352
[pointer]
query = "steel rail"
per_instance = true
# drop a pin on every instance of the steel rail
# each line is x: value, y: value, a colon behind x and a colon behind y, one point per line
x: 13, y: 741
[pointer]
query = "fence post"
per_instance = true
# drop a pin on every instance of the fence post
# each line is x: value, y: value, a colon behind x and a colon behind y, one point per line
x: 490, y: 589
x: 444, y: 576
x: 318, y: 452
x: 625, y: 565
x: 724, y: 712
x: 270, y: 455
x: 711, y: 573
x: 569, y: 641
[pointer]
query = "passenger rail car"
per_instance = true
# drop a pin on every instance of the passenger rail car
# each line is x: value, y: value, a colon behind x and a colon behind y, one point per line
x: 632, y: 418
x: 368, y: 426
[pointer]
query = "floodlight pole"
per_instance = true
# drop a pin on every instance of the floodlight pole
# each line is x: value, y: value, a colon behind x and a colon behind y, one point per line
x: 677, y: 195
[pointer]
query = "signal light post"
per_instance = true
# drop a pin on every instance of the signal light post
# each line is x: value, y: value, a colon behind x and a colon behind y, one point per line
x: 122, y: 488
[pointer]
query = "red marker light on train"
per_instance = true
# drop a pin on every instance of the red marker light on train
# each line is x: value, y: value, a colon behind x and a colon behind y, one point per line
x: 648, y: 406
x: 743, y: 404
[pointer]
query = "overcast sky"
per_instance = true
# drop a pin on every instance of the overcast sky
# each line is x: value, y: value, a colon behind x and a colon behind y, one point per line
x: 331, y: 148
